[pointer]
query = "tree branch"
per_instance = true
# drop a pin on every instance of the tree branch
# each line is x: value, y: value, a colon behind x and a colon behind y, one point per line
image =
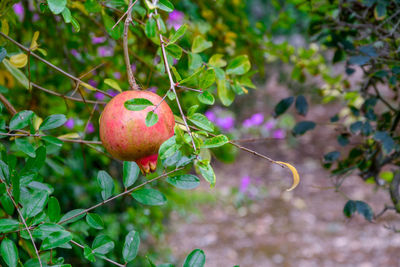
x: 10, y: 108
x: 129, y: 72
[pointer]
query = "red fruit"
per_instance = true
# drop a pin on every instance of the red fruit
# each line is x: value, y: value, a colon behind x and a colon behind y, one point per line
x: 124, y: 132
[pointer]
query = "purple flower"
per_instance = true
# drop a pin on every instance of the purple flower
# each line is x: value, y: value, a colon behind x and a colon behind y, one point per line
x: 112, y: 92
x: 89, y: 128
x: 244, y: 183
x: 174, y: 61
x: 152, y: 89
x: 105, y: 51
x: 247, y: 123
x: 98, y: 40
x: 279, y: 134
x: 117, y: 75
x: 69, y: 123
x: 35, y: 17
x: 74, y: 52
x: 175, y: 18
x: 92, y: 83
x: 226, y: 123
x: 99, y: 96
x: 269, y: 125
x: 156, y: 60
x: 133, y: 67
x: 210, y: 115
x: 257, y: 119
x: 19, y: 11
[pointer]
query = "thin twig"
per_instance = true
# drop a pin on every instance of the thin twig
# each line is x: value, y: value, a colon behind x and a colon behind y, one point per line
x: 24, y: 222
x: 172, y: 83
x: 119, y: 195
x: 104, y: 258
x: 129, y: 72
x: 126, y: 13
x: 50, y: 64
x: 10, y: 108
x: 162, y: 100
x: 80, y: 141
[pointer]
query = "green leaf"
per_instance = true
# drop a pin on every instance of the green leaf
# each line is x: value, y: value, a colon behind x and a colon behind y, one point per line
x: 26, y: 147
x: 72, y: 214
x: 195, y: 61
x: 131, y: 172
x: 8, y: 225
x: 150, y: 28
x: 200, y: 44
x: 53, y: 209
x: 217, y: 61
x: 283, y: 105
x: 66, y: 13
x: 386, y: 140
x: 186, y: 181
x: 94, y: 221
x: 206, y: 171
x: 16, y: 187
x: 151, y: 119
x: 89, y: 254
x: 57, y: 6
x: 207, y: 79
x: 301, y: 105
x: 44, y: 230
x: 115, y: 33
x: 52, y: 122
x: 52, y: 140
x: 201, y: 121
x: 216, y: 141
x: 137, y: 104
x: 192, y: 110
x: 225, y: 94
x: 239, y: 65
x: 114, y: 84
x: 102, y: 244
x: 36, y: 204
x: 165, y: 5
x: 359, y: 60
x: 7, y: 204
x: 106, y: 183
x: 206, y: 98
x: 9, y: 252
x: 21, y: 119
x: 56, y: 239
x: 349, y: 208
x: 178, y: 34
x: 149, y: 196
x: 174, y: 50
x: 75, y: 24
x: 365, y: 210
x: 302, y: 127
x: 168, y: 148
x: 131, y: 246
x: 4, y: 171
x: 196, y: 258
x: 92, y: 6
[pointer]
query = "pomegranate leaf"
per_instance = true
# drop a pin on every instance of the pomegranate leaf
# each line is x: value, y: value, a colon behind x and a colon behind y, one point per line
x: 196, y: 258
x: 181, y: 31
x: 151, y: 119
x: 201, y: 121
x: 186, y: 181
x: 130, y: 173
x: 216, y: 141
x: 131, y: 246
x: 137, y: 104
x: 149, y: 196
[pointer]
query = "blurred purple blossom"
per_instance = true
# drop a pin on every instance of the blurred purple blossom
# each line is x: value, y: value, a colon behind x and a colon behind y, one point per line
x: 89, y: 128
x: 174, y: 61
x: 98, y: 40
x: 105, y: 51
x: 279, y: 134
x: 117, y: 75
x: 152, y: 89
x: 225, y: 123
x: 99, y: 96
x: 74, y: 52
x: 244, y: 183
x: 35, y: 17
x: 112, y: 92
x: 156, y: 60
x: 133, y: 67
x: 210, y: 115
x: 19, y: 11
x: 69, y: 123
x: 92, y: 83
x: 255, y: 120
x: 269, y: 124
x: 175, y: 19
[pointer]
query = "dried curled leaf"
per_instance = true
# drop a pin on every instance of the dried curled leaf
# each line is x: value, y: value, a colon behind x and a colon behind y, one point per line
x: 69, y: 136
x: 296, y: 176
x: 34, y: 44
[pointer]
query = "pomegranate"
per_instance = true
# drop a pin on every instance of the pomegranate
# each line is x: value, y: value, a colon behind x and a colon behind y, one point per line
x: 124, y: 133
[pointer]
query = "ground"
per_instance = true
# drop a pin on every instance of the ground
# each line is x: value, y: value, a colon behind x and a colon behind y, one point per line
x: 305, y: 227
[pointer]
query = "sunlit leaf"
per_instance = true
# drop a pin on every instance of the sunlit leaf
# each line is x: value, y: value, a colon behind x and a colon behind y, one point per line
x: 19, y: 60
x: 296, y: 176
x: 114, y: 84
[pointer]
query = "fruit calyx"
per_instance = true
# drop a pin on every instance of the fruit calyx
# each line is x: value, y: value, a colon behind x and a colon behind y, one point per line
x: 148, y: 164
